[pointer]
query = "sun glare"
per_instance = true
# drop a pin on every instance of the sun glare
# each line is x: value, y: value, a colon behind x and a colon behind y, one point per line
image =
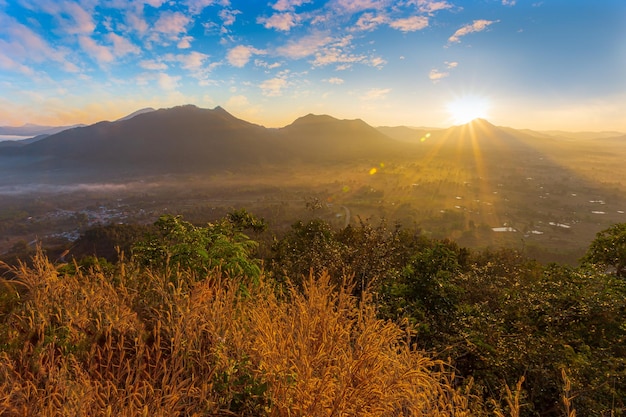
x: 465, y: 109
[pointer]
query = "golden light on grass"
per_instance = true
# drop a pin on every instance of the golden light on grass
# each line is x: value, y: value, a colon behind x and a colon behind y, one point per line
x: 134, y: 343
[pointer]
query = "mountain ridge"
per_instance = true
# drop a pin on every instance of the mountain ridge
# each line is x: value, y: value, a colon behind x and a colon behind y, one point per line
x: 191, y: 139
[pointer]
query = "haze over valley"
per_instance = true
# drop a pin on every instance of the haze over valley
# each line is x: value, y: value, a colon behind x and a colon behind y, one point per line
x: 544, y: 193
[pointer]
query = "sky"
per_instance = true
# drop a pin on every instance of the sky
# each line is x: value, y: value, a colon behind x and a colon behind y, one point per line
x: 537, y: 64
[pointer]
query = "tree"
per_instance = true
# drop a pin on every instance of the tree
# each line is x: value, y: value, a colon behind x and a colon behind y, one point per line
x: 609, y: 249
x: 223, y: 245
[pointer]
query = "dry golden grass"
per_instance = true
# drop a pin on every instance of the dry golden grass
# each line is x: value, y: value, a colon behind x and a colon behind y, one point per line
x: 141, y: 344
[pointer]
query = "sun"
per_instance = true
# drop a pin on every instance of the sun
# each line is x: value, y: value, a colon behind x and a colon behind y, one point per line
x: 467, y: 108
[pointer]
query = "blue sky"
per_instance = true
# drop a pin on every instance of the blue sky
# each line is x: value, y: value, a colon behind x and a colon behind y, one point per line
x: 551, y: 64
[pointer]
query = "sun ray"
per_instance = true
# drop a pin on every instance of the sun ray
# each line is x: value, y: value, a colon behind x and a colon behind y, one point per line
x: 467, y: 108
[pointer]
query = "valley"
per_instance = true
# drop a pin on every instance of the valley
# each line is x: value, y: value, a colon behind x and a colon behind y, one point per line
x: 480, y: 185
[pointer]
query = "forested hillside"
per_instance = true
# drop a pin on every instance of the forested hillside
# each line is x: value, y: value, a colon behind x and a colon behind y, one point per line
x: 229, y: 318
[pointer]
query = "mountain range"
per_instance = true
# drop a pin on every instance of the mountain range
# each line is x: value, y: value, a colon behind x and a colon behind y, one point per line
x: 188, y: 139
x: 30, y: 130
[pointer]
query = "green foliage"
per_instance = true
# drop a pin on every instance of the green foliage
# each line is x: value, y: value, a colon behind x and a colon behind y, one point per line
x: 372, y: 254
x: 178, y: 244
x: 426, y: 291
x: 498, y: 316
x: 609, y: 249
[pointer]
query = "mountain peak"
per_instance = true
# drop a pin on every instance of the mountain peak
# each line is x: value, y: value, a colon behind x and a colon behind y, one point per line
x: 136, y: 113
x: 478, y: 122
x: 313, y: 119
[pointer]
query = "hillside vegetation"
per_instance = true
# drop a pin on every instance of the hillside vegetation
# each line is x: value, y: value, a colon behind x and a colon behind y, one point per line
x: 222, y: 319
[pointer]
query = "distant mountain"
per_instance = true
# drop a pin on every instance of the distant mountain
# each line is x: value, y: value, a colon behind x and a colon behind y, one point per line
x: 405, y: 133
x: 20, y: 142
x: 325, y: 138
x: 191, y: 139
x: 136, y: 113
x: 185, y: 137
x: 584, y: 135
x: 188, y: 139
x: 33, y: 130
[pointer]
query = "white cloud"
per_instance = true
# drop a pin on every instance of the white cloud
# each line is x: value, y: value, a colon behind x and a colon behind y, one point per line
x: 153, y: 65
x: 122, y: 46
x: 100, y: 53
x: 410, y: 24
x: 240, y: 55
x: 81, y: 19
x: 228, y: 16
x: 376, y: 94
x: 167, y: 82
x: 377, y: 62
x: 185, y: 42
x: 436, y: 75
x: 9, y: 64
x: 136, y: 22
x: 273, y: 87
x: 193, y: 60
x: 509, y: 2
x: 430, y: 6
x: 475, y: 26
x: 267, y: 65
x: 71, y: 16
x: 195, y: 6
x: 172, y: 23
x: 154, y: 3
x: 370, y: 21
x: 335, y: 55
x: 354, y: 6
x: 305, y: 46
x: 284, y: 5
x: 26, y: 45
x: 335, y: 80
x: 280, y: 21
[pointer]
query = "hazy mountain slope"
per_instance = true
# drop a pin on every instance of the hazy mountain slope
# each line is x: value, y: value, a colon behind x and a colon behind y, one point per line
x: 325, y: 138
x: 404, y: 133
x: 186, y: 137
x: 190, y: 139
x: 136, y: 113
x: 583, y: 135
x: 33, y: 130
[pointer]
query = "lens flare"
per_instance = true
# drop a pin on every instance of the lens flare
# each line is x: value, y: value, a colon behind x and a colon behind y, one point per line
x: 467, y: 108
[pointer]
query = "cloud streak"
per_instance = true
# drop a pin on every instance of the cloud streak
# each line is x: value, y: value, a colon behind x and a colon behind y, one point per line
x: 240, y: 55
x: 475, y: 26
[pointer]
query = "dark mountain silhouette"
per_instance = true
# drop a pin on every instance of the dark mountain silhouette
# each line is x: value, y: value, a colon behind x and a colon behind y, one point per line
x: 188, y: 139
x: 183, y: 137
x: 191, y: 139
x: 407, y: 134
x: 324, y: 138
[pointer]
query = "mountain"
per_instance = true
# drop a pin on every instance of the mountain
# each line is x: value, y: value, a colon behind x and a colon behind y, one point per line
x: 584, y: 135
x: 191, y: 139
x: 406, y: 134
x: 184, y: 137
x: 188, y: 139
x: 136, y: 113
x: 33, y: 130
x: 325, y: 138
